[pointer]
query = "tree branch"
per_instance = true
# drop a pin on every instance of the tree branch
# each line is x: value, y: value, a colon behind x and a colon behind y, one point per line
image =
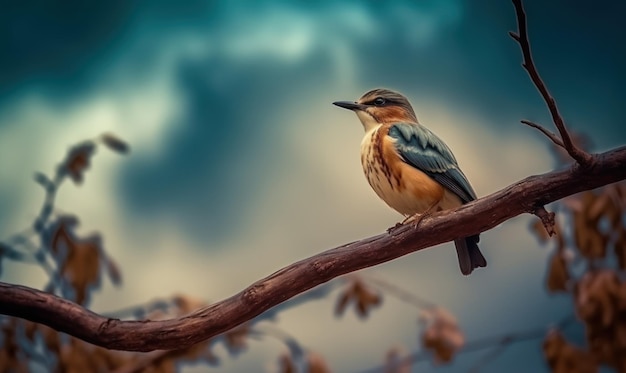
x: 521, y: 37
x: 524, y: 196
x: 547, y: 219
x: 551, y: 135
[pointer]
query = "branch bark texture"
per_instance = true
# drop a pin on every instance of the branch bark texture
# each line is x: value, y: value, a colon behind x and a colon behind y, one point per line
x: 525, y: 196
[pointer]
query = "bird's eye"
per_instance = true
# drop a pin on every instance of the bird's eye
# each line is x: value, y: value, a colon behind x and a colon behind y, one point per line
x: 379, y: 101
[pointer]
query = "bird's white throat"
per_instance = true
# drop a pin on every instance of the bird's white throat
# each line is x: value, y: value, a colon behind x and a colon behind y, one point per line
x: 368, y: 121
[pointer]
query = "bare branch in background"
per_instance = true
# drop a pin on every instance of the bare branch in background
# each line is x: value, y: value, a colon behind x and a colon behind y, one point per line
x: 521, y: 37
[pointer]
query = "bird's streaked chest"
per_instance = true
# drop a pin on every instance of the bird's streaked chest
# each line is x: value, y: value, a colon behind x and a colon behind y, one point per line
x: 403, y: 187
x: 377, y: 166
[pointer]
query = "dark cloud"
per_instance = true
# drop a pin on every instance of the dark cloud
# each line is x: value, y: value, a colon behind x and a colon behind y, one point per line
x: 228, y: 139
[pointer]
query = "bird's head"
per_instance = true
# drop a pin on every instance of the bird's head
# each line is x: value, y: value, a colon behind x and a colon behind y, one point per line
x: 380, y: 106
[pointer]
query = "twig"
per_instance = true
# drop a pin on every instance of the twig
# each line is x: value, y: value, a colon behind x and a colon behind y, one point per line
x: 521, y: 37
x: 472, y: 218
x: 551, y: 135
x: 547, y: 218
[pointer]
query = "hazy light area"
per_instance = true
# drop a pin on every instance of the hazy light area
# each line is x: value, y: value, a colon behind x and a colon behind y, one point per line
x: 240, y: 165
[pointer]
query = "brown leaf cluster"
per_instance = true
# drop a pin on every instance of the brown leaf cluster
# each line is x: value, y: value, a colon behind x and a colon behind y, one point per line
x: 599, y: 292
x: 79, y: 260
x: 600, y: 298
x: 441, y: 335
x: 364, y: 298
x: 563, y: 357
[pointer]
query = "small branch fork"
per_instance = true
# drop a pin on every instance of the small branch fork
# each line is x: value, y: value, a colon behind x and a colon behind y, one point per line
x: 521, y: 37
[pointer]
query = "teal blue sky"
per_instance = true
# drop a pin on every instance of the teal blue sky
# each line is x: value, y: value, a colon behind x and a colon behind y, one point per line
x: 241, y: 165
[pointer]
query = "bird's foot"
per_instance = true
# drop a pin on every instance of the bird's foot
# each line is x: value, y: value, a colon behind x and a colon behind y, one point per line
x: 415, y: 219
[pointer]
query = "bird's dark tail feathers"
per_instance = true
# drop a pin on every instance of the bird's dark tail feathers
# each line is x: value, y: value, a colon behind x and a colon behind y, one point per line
x: 469, y: 254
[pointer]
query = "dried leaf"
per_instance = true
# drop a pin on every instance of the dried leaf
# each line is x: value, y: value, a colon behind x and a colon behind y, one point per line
x: 82, y: 266
x: 77, y: 161
x: 558, y: 274
x: 562, y: 357
x: 365, y: 299
x: 342, y: 302
x: 442, y: 335
x: 590, y: 241
x: 115, y: 143
x: 10, y: 358
x: 596, y: 295
x: 79, y: 260
x: 598, y: 207
x: 316, y: 363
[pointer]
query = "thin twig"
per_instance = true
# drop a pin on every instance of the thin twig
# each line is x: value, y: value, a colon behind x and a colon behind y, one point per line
x: 582, y: 157
x: 551, y: 135
x: 547, y: 218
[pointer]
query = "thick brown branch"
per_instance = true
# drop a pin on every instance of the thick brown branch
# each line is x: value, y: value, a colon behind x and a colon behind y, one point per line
x: 521, y: 37
x: 478, y: 216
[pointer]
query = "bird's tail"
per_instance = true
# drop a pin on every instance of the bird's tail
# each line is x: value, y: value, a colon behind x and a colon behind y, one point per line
x: 469, y: 254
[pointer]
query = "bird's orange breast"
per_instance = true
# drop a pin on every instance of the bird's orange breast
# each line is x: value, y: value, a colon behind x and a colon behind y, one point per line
x: 402, y: 186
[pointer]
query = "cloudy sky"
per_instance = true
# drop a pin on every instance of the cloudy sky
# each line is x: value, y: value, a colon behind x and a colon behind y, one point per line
x: 240, y: 165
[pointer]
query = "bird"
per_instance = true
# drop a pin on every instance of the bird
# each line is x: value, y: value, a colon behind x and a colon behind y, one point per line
x: 409, y: 167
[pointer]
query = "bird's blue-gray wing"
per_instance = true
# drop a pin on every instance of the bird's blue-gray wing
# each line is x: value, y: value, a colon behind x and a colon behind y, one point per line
x: 423, y: 150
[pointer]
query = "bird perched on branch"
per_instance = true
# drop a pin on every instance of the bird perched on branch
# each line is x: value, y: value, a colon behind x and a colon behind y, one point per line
x: 409, y: 167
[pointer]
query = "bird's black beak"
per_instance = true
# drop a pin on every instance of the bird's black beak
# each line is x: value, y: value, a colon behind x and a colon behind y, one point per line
x: 350, y: 105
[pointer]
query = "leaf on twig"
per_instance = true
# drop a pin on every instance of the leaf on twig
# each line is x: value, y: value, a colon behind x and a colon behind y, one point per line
x: 442, y: 335
x: 79, y: 259
x: 357, y: 292
x: 558, y: 274
x: 114, y: 143
x: 77, y: 161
